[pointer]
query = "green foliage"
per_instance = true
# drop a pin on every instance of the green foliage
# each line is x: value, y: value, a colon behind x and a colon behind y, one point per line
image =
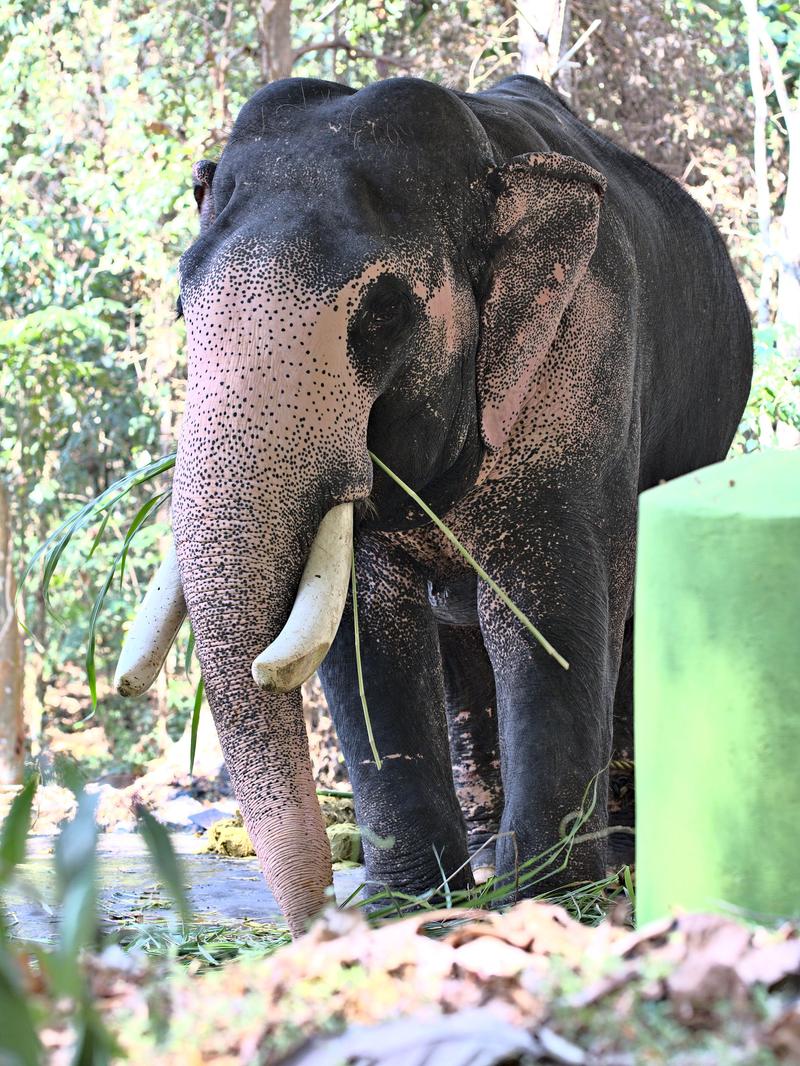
x: 15, y: 830
x: 728, y: 19
x: 19, y: 1042
x: 165, y: 860
x: 772, y: 417
x: 359, y: 670
x: 196, y: 708
x: 61, y: 965
x: 105, y: 108
x: 209, y: 945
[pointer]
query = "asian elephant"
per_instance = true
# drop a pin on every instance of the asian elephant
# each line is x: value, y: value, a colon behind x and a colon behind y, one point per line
x: 529, y: 326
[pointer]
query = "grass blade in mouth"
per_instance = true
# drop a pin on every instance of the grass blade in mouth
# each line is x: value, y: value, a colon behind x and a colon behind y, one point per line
x: 359, y: 670
x: 473, y: 562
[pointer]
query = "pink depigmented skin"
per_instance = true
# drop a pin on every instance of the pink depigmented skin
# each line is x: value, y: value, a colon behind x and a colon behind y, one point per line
x: 269, y: 379
x: 520, y: 327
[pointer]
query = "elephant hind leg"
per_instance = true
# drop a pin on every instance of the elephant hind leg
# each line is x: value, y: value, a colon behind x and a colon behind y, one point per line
x: 621, y: 797
x: 472, y: 726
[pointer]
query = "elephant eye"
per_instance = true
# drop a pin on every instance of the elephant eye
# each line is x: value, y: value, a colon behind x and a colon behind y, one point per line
x: 387, y: 310
x: 384, y: 313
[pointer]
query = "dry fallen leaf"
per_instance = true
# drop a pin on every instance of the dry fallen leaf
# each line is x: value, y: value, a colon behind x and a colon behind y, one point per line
x: 783, y: 1036
x: 487, y: 957
x: 708, y: 973
x: 770, y: 963
x: 472, y: 1038
x: 651, y: 934
x: 543, y: 929
x: 606, y: 985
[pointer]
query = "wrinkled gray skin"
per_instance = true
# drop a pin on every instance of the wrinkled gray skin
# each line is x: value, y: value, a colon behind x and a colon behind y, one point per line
x: 529, y: 326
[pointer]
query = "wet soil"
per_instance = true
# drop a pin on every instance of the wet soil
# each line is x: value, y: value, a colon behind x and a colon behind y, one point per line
x: 222, y: 890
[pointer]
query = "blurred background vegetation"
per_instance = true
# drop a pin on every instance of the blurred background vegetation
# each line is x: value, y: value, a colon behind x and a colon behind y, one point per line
x: 105, y: 105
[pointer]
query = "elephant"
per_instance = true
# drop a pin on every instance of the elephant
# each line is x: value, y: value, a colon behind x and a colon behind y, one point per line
x: 528, y: 325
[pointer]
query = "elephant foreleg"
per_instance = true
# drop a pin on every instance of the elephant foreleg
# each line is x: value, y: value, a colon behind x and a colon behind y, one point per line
x: 408, y: 811
x: 555, y: 725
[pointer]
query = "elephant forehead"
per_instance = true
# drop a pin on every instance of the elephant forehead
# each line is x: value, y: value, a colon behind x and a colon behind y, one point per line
x: 251, y: 304
x: 282, y: 293
x: 269, y: 371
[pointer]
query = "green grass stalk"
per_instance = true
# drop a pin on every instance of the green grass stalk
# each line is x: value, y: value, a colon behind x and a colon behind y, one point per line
x: 359, y: 670
x: 473, y: 562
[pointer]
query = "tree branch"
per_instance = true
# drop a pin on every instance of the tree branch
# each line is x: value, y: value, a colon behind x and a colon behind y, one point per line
x: 760, y: 158
x: 581, y: 41
x: 775, y: 69
x: 354, y: 52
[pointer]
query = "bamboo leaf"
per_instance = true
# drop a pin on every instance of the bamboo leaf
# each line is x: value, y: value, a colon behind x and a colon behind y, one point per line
x: 91, y: 672
x: 76, y: 863
x: 198, y: 703
x: 187, y: 662
x: 99, y: 534
x: 15, y: 828
x: 52, y: 550
x: 19, y: 1043
x: 138, y: 521
x: 165, y: 861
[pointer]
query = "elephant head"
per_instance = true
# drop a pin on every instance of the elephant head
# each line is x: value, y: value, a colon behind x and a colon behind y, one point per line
x: 367, y: 275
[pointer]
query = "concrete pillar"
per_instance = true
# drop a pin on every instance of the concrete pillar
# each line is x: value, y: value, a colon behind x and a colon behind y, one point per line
x: 717, y: 689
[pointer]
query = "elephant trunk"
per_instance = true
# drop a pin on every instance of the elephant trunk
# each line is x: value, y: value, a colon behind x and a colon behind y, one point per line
x: 239, y: 587
x: 272, y: 454
x: 263, y: 736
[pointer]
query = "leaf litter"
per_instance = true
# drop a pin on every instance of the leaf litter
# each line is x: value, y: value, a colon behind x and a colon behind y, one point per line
x: 467, y: 988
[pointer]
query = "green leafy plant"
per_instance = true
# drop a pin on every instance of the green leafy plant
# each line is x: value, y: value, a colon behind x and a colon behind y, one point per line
x: 60, y: 965
x: 18, y: 1037
x: 100, y: 509
x: 359, y: 668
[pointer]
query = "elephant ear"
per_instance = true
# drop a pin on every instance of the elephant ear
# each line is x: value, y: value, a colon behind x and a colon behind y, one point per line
x: 546, y: 215
x: 202, y: 178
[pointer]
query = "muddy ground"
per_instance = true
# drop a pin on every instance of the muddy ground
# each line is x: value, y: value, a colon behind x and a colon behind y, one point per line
x: 222, y: 890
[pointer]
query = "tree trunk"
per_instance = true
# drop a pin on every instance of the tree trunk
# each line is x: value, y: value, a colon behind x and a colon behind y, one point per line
x: 788, y: 307
x: 543, y: 36
x: 12, y: 730
x: 780, y: 241
x: 274, y: 19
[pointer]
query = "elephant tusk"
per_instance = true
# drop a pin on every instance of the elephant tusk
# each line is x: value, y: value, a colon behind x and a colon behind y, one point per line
x: 154, y: 629
x: 304, y: 641
x: 482, y: 874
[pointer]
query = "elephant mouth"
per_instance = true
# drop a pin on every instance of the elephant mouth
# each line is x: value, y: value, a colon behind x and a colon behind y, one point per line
x: 298, y: 649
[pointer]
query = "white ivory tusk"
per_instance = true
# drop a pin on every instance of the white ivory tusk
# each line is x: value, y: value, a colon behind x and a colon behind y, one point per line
x: 482, y: 874
x: 153, y: 630
x: 304, y: 641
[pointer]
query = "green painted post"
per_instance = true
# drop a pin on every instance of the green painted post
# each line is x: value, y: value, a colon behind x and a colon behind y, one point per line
x: 717, y: 690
